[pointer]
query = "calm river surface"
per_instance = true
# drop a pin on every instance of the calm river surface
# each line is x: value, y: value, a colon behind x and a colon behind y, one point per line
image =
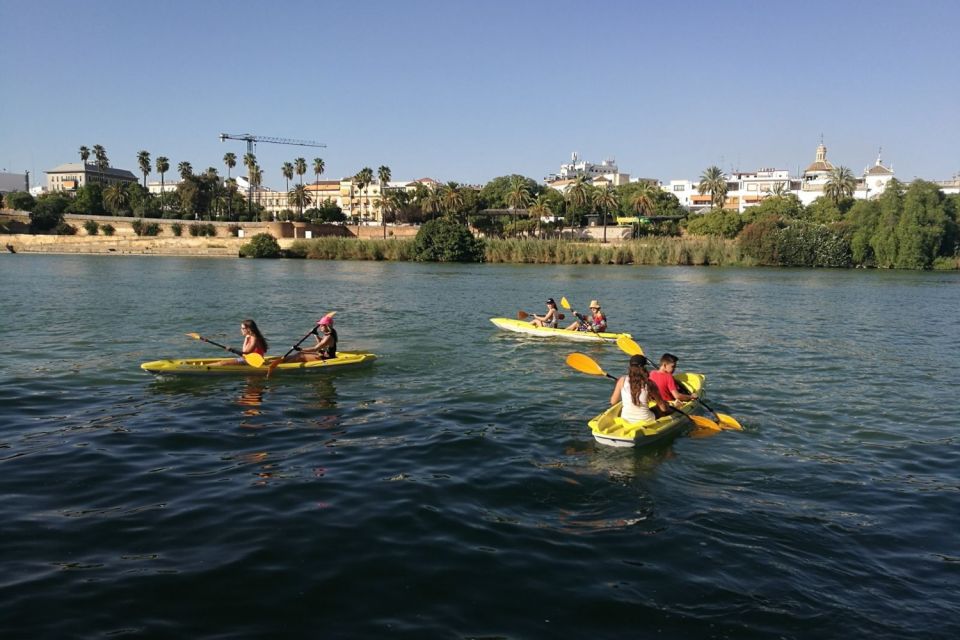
x: 453, y: 490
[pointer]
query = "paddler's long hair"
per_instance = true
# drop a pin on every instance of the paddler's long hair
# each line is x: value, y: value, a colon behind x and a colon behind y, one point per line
x: 252, y: 327
x: 639, y: 380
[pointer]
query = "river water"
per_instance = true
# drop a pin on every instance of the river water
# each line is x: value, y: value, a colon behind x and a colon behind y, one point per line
x: 453, y: 490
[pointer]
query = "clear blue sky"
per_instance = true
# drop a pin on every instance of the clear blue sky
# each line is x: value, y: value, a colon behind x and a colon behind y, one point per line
x: 467, y: 91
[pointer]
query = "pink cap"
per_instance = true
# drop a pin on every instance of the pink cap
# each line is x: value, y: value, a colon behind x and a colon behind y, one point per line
x: 325, y: 320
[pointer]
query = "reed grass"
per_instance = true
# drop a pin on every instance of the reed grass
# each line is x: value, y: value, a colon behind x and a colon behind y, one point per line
x: 653, y: 250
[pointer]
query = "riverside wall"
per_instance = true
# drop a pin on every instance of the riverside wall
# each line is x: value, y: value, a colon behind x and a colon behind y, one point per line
x: 125, y: 241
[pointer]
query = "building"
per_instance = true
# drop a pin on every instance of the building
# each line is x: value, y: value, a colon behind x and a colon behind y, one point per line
x: 603, y: 174
x: 14, y: 182
x: 71, y: 176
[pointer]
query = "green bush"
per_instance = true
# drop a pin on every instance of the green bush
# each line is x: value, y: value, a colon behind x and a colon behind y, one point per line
x: 19, y: 200
x: 197, y: 229
x: 92, y: 227
x: 262, y: 245
x: 65, y: 229
x: 177, y: 229
x: 445, y: 240
x: 774, y: 242
x: 151, y: 229
x: 137, y: 226
x: 234, y: 230
x: 716, y: 222
x: 108, y: 229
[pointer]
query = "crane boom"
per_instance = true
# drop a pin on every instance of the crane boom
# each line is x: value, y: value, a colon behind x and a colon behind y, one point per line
x: 252, y: 140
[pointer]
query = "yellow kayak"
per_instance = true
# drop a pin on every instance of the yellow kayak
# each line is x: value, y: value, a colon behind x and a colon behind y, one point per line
x: 523, y: 326
x: 205, y: 366
x: 610, y: 429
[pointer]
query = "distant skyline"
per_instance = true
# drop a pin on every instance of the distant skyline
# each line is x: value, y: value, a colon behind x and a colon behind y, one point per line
x: 469, y: 92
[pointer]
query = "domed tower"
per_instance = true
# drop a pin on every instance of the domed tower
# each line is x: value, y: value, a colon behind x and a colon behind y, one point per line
x: 821, y: 167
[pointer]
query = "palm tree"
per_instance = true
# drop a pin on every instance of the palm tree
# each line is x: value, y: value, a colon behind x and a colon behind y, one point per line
x: 642, y: 200
x: 518, y: 196
x: 840, y: 184
x: 185, y: 169
x: 715, y: 183
x: 451, y: 199
x: 84, y: 155
x: 318, y: 167
x: 578, y: 194
x: 229, y: 159
x: 143, y: 159
x: 539, y: 210
x: 298, y: 196
x: 163, y: 165
x: 383, y: 174
x: 116, y: 197
x: 429, y: 200
x: 606, y: 201
x: 779, y: 190
x: 256, y: 177
x: 287, y: 171
x: 363, y: 178
x: 249, y: 161
x: 100, y: 155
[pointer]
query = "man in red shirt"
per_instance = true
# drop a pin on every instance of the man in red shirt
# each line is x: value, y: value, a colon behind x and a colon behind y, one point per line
x: 663, y: 378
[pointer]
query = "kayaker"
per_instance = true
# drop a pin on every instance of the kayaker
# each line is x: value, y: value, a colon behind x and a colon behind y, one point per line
x: 635, y: 391
x: 550, y: 318
x: 253, y: 342
x: 663, y: 378
x: 596, y: 322
x: 326, y: 346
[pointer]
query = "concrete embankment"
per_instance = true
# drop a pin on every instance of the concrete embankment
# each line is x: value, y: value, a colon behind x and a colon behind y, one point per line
x: 224, y: 247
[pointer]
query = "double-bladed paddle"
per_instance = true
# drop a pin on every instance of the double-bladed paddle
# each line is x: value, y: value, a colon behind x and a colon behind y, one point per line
x: 276, y: 363
x: 523, y: 315
x: 631, y: 348
x: 589, y: 325
x: 585, y: 364
x: 252, y: 359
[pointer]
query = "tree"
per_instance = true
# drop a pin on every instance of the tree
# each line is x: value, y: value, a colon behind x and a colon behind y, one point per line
x: 363, y: 179
x: 445, y: 240
x: 287, y: 171
x: 451, y: 199
x: 863, y: 218
x: 518, y: 194
x: 841, y: 184
x: 47, y: 211
x: 713, y: 181
x: 642, y: 200
x: 298, y: 197
x: 143, y: 159
x: 884, y: 241
x: 578, y: 196
x: 300, y: 164
x: 493, y: 195
x: 117, y: 198
x: 262, y: 245
x: 318, y: 167
x: 383, y: 174
x: 19, y: 201
x: 540, y: 209
x: 163, y: 165
x: 100, y: 154
x: 84, y: 155
x: 606, y: 201
x: 249, y: 161
x: 922, y: 227
x: 230, y: 160
x: 185, y: 169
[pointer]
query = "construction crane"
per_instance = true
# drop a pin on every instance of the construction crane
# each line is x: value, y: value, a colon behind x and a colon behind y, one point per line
x: 252, y: 141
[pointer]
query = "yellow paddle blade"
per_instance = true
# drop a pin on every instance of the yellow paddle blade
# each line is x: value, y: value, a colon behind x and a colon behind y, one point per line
x: 253, y: 359
x: 585, y: 364
x: 729, y: 422
x: 706, y: 423
x: 195, y: 336
x: 628, y: 346
x: 564, y: 303
x: 330, y: 314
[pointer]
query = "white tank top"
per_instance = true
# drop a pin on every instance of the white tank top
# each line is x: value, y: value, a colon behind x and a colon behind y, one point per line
x: 631, y: 412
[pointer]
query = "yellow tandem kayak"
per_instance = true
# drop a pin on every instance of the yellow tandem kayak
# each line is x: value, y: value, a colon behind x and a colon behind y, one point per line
x: 205, y: 366
x: 523, y: 326
x: 610, y: 429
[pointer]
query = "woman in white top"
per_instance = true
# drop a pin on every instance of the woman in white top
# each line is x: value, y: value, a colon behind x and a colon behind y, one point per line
x: 549, y: 319
x: 635, y: 391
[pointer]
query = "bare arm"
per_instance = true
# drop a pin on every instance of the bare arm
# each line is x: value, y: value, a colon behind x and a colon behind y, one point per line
x: 615, y: 396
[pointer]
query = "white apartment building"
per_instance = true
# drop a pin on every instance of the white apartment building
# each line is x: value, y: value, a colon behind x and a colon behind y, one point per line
x: 73, y: 175
x: 600, y: 175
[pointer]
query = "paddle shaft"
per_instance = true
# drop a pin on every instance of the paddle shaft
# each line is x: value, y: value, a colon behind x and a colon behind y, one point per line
x: 293, y: 348
x: 217, y: 344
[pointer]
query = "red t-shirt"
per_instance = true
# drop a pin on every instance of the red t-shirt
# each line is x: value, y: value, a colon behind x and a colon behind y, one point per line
x: 665, y: 384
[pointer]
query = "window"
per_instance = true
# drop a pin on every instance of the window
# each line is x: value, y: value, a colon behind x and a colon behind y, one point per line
x: 679, y: 187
